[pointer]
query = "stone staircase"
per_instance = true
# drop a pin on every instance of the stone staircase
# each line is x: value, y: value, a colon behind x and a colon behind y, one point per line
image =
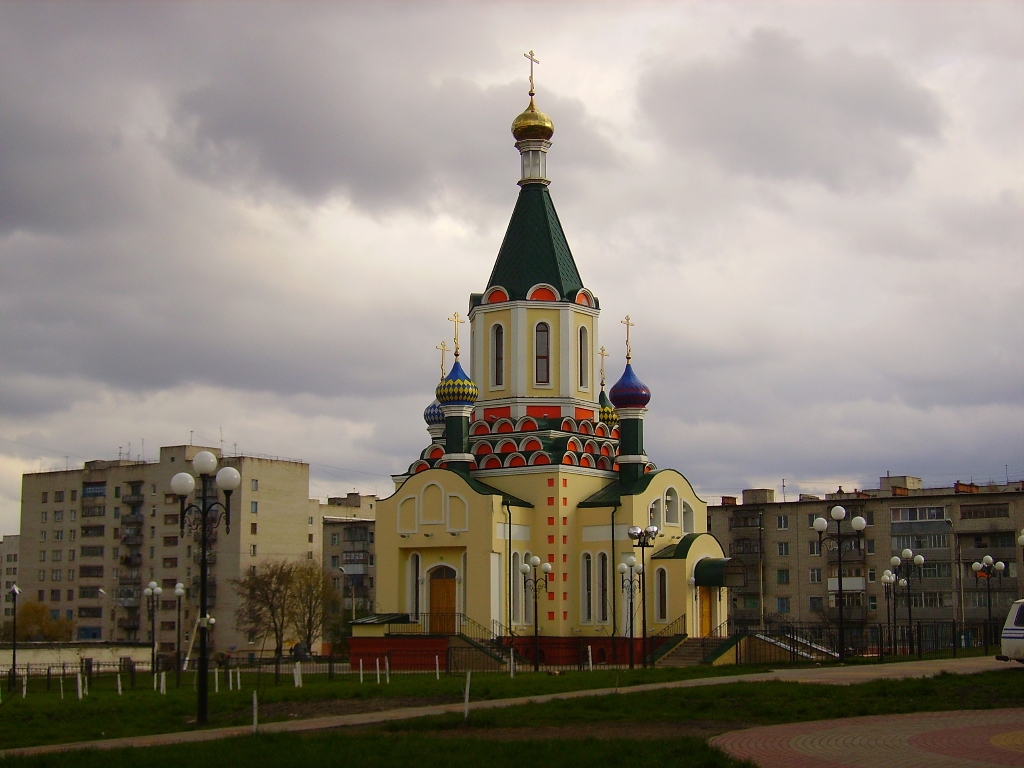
x: 687, y: 653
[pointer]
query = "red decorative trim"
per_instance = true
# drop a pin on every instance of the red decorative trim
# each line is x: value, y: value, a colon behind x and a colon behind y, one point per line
x: 542, y: 292
x: 540, y: 458
x: 526, y: 424
x: 568, y: 425
x: 531, y: 444
x: 584, y: 413
x: 493, y: 414
x: 495, y: 296
x: 480, y: 428
x: 586, y: 460
x: 507, y: 446
x: 601, y: 430
x: 543, y: 411
x: 503, y: 427
x: 491, y: 462
x: 483, y: 448
x: 515, y: 460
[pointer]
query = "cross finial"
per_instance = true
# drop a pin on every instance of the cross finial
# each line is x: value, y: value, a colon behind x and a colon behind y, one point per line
x: 458, y: 321
x: 603, y: 355
x: 444, y: 348
x: 533, y: 60
x: 629, y: 349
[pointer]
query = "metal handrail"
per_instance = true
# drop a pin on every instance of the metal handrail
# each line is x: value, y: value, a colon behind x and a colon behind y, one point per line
x: 677, y: 627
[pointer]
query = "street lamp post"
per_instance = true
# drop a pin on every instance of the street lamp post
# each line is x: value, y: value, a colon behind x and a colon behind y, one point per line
x: 152, y: 593
x: 632, y: 584
x: 839, y: 541
x: 644, y: 538
x: 12, y: 678
x: 903, y: 571
x: 986, y: 569
x: 203, y: 518
x: 179, y: 592
x: 889, y: 586
x: 536, y: 585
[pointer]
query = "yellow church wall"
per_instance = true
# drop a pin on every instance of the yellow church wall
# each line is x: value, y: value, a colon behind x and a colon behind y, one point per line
x: 551, y: 317
x: 590, y: 392
x: 483, y: 324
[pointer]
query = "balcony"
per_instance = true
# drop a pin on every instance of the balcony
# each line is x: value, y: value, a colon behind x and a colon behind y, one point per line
x: 129, y: 581
x: 850, y: 584
x: 975, y: 554
x: 211, y: 536
x: 211, y: 558
x: 132, y: 518
x: 849, y: 556
x: 130, y: 624
x: 133, y: 498
x: 127, y: 602
x: 850, y: 613
x: 132, y: 540
x: 135, y: 560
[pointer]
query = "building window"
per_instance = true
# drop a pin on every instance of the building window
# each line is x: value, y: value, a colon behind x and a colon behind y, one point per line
x: 252, y: 550
x: 871, y: 575
x: 872, y: 602
x: 45, y: 496
x: 783, y: 548
x: 782, y: 605
x: 587, y: 589
x: 58, y: 496
x: 869, y: 546
x: 815, y: 575
x: 498, y: 355
x: 58, y: 516
x: 915, y: 514
x: 814, y: 547
x: 661, y: 595
x: 782, y: 522
x: 816, y: 604
x: 602, y: 582
x: 252, y: 528
x: 782, y: 576
x: 584, y: 358
x: 310, y: 538
x: 170, y: 541
x: 335, y: 539
x: 542, y: 354
x: 43, y: 517
x: 335, y: 561
x: 255, y: 484
x: 254, y: 507
x: 170, y: 562
x: 810, y: 519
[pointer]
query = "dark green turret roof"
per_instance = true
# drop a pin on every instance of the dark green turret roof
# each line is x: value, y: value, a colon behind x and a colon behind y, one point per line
x: 534, y: 249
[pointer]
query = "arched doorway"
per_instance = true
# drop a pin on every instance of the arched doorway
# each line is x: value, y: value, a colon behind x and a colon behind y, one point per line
x: 442, y: 600
x: 704, y: 599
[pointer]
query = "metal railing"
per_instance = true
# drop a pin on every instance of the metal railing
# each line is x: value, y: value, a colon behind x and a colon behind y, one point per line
x: 677, y: 627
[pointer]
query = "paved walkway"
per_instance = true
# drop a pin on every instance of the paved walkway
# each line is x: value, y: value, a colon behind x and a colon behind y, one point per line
x: 827, y: 675
x: 968, y: 739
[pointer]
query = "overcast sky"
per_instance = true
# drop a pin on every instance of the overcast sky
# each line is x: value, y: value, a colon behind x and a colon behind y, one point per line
x: 254, y: 219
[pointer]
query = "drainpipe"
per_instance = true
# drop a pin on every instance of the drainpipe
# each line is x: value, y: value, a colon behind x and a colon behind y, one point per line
x: 611, y: 584
x: 508, y: 562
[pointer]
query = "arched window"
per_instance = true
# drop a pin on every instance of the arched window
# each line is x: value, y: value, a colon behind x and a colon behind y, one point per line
x: 517, y: 593
x: 587, y: 589
x: 584, y: 358
x: 498, y: 356
x: 655, y: 513
x: 602, y: 587
x: 687, y: 518
x: 413, y: 588
x: 661, y: 595
x: 542, y: 352
x: 671, y: 507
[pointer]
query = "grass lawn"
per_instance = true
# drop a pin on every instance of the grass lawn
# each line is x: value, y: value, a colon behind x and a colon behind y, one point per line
x: 44, y: 718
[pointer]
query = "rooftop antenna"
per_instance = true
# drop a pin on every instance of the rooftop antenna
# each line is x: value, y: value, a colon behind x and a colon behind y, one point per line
x: 190, y: 434
x: 222, y: 440
x: 143, y: 449
x: 783, y: 490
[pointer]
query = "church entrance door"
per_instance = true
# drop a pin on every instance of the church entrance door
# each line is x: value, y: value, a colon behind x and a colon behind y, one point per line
x: 704, y: 598
x: 442, y: 601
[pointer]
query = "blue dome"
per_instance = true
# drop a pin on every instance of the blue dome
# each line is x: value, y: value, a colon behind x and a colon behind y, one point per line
x: 629, y: 391
x: 433, y: 415
x: 457, y: 388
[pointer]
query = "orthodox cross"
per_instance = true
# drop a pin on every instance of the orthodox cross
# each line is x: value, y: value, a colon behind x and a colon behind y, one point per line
x: 458, y: 321
x: 444, y: 348
x: 603, y: 355
x: 533, y: 61
x: 629, y: 350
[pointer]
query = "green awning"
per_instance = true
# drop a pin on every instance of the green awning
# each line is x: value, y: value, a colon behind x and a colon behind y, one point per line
x: 720, y: 572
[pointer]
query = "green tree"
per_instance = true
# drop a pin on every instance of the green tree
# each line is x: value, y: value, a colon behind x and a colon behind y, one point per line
x: 311, y: 601
x: 265, y: 596
x: 34, y: 623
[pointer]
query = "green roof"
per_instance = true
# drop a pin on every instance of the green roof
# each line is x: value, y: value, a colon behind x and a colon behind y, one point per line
x: 680, y: 550
x: 535, y: 249
x: 486, y: 490
x: 611, y: 495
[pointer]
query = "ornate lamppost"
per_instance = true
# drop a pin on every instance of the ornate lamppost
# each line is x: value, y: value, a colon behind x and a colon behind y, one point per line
x: 632, y: 585
x: 644, y: 538
x: 840, y: 541
x: 12, y: 678
x: 179, y: 592
x: 903, y: 570
x: 203, y: 517
x: 152, y: 593
x: 535, y: 585
x: 986, y: 569
x: 889, y: 586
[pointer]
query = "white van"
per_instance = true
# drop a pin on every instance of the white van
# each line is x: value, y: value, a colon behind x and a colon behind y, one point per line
x: 1013, y: 634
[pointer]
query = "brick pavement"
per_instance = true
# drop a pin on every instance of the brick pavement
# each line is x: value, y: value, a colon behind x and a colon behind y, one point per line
x: 830, y: 675
x: 963, y: 739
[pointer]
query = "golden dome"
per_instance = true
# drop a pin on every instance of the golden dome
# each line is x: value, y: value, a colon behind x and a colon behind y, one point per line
x: 532, y: 124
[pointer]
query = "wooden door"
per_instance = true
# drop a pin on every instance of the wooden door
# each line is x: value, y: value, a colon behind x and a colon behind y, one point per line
x: 705, y: 611
x: 442, y: 601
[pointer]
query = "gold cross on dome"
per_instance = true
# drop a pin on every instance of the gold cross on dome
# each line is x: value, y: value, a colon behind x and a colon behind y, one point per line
x: 629, y: 350
x: 444, y: 348
x: 458, y: 321
x: 603, y: 355
x: 533, y: 60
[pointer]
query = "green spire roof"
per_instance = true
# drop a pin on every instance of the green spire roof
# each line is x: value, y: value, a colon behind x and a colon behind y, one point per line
x: 534, y: 249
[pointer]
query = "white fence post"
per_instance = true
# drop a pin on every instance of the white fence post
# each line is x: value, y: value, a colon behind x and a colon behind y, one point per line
x: 118, y: 685
x: 437, y: 667
x: 378, y: 669
x: 255, y: 711
x: 387, y: 669
x: 590, y: 657
x: 465, y: 714
x: 360, y: 670
x: 79, y: 678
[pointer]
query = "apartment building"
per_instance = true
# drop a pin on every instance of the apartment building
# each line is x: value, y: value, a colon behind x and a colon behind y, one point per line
x: 348, y: 550
x: 93, y: 538
x: 789, y: 578
x: 9, y: 562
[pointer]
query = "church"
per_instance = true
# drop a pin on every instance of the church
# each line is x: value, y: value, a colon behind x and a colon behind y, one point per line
x: 534, y: 517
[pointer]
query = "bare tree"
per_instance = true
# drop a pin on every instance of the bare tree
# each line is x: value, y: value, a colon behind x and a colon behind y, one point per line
x: 265, y: 597
x: 311, y: 601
